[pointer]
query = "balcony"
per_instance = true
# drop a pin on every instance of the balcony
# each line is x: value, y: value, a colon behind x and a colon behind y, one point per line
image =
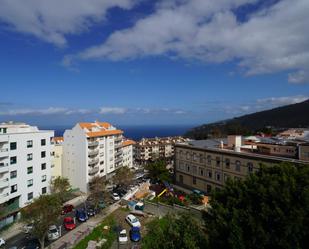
x: 118, y: 159
x: 93, y: 171
x: 4, y: 167
x: 4, y: 152
x: 93, y: 161
x: 93, y: 143
x: 118, y: 153
x: 4, y: 183
x: 93, y: 152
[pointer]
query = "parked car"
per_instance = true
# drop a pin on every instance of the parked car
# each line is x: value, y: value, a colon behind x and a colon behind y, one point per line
x: 133, y: 221
x: 68, y: 223
x: 2, y: 242
x: 27, y: 228
x: 115, y: 197
x: 101, y: 204
x: 135, y: 234
x: 53, y: 233
x: 91, y: 211
x: 67, y: 209
x: 123, y: 238
x: 81, y: 215
x: 32, y: 244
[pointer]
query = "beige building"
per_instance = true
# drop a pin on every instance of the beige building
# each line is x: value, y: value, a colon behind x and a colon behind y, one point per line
x: 58, y: 155
x: 127, y: 153
x: 304, y: 152
x: 207, y: 164
x: 150, y: 149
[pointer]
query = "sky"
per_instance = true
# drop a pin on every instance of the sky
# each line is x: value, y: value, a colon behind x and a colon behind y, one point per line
x: 145, y: 62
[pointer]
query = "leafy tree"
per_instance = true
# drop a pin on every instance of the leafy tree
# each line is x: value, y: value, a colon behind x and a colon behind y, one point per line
x: 97, y: 192
x: 270, y: 209
x: 42, y: 212
x: 174, y: 232
x: 123, y: 176
x: 60, y: 186
x: 158, y: 171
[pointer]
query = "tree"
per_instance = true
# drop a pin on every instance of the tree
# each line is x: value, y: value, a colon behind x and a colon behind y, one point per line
x: 97, y: 190
x: 270, y: 209
x: 158, y: 171
x: 123, y: 176
x: 42, y: 213
x: 174, y: 232
x: 60, y: 186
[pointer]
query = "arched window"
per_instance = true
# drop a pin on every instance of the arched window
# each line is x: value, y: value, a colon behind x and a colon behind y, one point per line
x: 250, y: 167
x: 237, y: 165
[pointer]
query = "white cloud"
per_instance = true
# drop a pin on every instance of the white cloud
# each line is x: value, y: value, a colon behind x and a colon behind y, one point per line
x: 279, y: 101
x: 272, y: 40
x: 52, y: 20
x: 112, y: 110
x: 46, y: 111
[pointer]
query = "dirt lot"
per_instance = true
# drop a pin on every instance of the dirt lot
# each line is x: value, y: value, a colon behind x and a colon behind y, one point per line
x: 120, y: 215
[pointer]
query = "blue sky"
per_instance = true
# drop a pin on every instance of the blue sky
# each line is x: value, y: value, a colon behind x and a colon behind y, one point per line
x: 136, y: 62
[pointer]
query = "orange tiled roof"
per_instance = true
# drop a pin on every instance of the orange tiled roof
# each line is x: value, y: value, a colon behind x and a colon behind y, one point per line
x: 104, y: 133
x: 86, y: 125
x: 91, y: 125
x: 58, y: 139
x: 128, y: 142
x: 104, y: 124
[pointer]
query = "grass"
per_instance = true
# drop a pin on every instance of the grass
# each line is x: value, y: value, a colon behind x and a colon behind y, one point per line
x: 99, y: 233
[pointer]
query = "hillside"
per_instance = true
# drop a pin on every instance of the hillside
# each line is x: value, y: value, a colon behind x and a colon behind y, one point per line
x: 296, y: 115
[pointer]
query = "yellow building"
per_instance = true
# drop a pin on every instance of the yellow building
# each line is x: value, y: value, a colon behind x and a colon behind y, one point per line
x: 57, y: 161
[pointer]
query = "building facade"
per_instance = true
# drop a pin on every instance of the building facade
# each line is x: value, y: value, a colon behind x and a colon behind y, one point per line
x: 91, y: 149
x: 150, y: 149
x: 57, y: 157
x: 25, y: 166
x: 128, y: 153
x: 206, y: 165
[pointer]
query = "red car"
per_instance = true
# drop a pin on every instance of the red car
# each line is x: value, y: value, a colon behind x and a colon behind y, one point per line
x: 67, y: 209
x: 68, y: 223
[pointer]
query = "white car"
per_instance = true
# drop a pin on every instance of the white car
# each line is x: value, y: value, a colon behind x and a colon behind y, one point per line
x: 115, y: 197
x: 27, y: 228
x: 53, y: 233
x: 123, y: 238
x: 2, y: 242
x: 133, y: 221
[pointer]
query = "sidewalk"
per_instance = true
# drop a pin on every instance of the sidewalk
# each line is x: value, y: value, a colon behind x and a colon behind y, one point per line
x: 72, y: 237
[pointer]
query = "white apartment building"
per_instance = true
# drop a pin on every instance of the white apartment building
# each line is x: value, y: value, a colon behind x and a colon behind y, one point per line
x: 57, y: 159
x: 25, y: 166
x: 91, y: 149
x: 127, y: 153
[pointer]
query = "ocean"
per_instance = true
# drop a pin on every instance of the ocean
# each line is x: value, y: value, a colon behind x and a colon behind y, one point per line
x: 136, y: 132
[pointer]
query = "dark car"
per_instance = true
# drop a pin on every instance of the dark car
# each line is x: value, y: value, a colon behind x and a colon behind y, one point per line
x: 32, y: 244
x: 91, y: 211
x: 135, y: 234
x: 81, y: 215
x: 67, y: 209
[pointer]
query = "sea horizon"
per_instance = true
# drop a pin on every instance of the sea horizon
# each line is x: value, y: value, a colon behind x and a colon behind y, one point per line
x: 135, y: 132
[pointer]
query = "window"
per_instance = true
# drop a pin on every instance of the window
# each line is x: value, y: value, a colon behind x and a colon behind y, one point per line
x: 201, y: 158
x: 30, y: 170
x: 237, y: 165
x: 29, y: 144
x: 218, y: 161
x: 201, y: 171
x: 209, y: 173
x: 194, y: 157
x: 43, y: 166
x: 226, y: 177
x: 43, y: 178
x: 29, y: 157
x: 13, y: 160
x: 188, y: 168
x: 43, y: 142
x: 208, y: 188
x: 102, y: 162
x: 30, y: 196
x: 188, y: 156
x: 209, y: 159
x: 13, y: 174
x: 250, y: 167
x: 14, y: 188
x: 30, y: 183
x: 13, y: 146
x: 194, y: 180
x: 181, y: 178
x: 43, y: 154
x: 102, y: 170
x: 227, y: 163
x: 44, y: 190
x: 194, y: 170
x: 218, y: 176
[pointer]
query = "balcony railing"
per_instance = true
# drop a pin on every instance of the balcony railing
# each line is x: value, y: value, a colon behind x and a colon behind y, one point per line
x: 4, y: 152
x: 93, y: 171
x: 93, y: 143
x: 93, y: 152
x: 93, y: 161
x: 4, y: 183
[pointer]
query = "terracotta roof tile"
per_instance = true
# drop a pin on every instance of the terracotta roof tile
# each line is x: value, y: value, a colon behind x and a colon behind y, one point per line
x: 128, y: 142
x: 104, y: 133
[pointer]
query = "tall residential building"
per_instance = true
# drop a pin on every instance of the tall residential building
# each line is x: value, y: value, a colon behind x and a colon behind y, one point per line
x: 25, y: 166
x: 128, y: 153
x: 58, y: 156
x: 91, y: 149
x: 150, y: 149
x: 207, y: 164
